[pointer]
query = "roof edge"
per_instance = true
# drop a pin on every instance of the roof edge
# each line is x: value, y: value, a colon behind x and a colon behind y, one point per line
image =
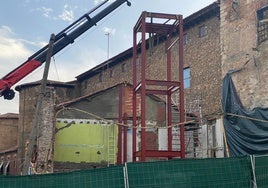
x: 212, y: 8
x: 70, y: 84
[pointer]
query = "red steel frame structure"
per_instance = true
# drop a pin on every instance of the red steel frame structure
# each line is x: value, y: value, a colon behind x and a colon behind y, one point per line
x: 122, y: 127
x: 173, y: 23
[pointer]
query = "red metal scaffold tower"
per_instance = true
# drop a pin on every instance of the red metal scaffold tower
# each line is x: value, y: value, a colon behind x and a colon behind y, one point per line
x: 173, y: 24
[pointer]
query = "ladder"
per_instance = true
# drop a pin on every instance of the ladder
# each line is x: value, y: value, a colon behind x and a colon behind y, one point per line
x: 111, y: 146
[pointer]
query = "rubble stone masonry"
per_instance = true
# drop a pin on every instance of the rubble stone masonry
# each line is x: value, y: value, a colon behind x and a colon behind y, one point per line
x: 9, y: 130
x: 201, y: 54
x: 28, y: 100
x: 240, y: 50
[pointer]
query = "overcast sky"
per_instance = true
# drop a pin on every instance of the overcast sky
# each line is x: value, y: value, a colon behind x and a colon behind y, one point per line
x: 26, y: 26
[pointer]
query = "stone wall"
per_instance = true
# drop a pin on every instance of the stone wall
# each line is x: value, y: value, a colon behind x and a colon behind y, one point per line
x: 202, y: 55
x: 241, y: 50
x: 93, y: 84
x: 8, y: 126
x: 27, y: 108
x: 8, y: 143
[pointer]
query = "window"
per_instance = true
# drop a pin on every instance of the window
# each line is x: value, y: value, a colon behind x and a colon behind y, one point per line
x: 202, y: 31
x: 85, y: 84
x: 185, y: 39
x: 7, y: 168
x: 186, y: 77
x: 15, y: 161
x: 100, y: 77
x: 2, y: 166
x: 262, y: 15
x: 124, y: 67
x: 111, y: 73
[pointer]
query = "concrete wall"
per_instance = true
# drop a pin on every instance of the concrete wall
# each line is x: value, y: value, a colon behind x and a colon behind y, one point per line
x: 105, y: 105
x: 85, y: 140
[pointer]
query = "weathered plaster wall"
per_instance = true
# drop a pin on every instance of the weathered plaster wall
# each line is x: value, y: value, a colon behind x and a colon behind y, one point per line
x: 240, y: 50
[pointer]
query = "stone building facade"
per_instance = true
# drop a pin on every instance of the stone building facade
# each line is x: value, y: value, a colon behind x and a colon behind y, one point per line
x: 55, y: 93
x: 8, y: 126
x: 244, y: 46
x: 8, y: 143
x: 201, y: 55
x: 226, y: 35
x: 201, y: 59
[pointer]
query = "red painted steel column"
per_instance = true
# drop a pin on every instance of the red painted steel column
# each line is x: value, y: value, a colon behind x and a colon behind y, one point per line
x: 181, y: 67
x: 120, y: 111
x: 143, y: 95
x: 134, y: 100
x: 125, y: 137
x: 169, y: 114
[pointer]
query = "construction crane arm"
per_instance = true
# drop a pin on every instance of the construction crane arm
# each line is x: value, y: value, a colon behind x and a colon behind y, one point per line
x: 62, y: 39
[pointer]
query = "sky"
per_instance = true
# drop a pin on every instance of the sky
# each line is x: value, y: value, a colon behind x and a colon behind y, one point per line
x: 26, y: 26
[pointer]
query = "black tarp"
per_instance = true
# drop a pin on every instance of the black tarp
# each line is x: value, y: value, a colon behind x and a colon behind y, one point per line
x: 246, y: 130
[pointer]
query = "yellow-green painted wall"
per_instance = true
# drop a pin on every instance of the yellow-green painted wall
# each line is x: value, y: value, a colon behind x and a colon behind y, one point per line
x: 85, y: 141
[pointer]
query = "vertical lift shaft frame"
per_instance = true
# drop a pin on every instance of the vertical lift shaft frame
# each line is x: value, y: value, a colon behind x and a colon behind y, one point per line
x: 142, y: 87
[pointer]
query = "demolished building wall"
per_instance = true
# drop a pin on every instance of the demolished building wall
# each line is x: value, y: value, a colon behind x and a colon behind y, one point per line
x: 55, y: 92
x: 85, y: 129
x: 201, y: 55
x: 241, y: 49
x: 244, y: 69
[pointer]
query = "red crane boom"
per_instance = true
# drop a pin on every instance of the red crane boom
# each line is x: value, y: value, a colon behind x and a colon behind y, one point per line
x: 62, y: 39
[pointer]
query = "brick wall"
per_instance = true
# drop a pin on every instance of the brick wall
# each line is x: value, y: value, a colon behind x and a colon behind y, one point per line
x: 8, y: 126
x: 127, y: 102
x: 240, y: 49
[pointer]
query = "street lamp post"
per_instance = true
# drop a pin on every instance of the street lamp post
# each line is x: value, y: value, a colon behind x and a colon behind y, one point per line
x: 108, y: 44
